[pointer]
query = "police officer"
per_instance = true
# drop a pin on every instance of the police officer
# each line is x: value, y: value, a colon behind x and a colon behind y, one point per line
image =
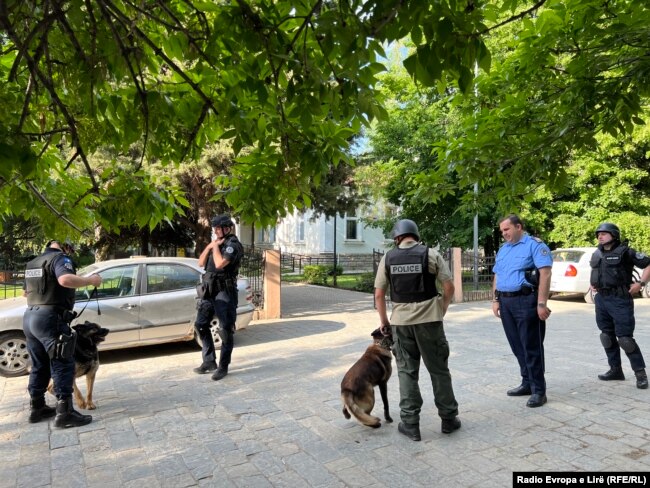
x: 411, y: 270
x: 612, y: 265
x: 522, y: 277
x: 50, y: 280
x: 221, y: 259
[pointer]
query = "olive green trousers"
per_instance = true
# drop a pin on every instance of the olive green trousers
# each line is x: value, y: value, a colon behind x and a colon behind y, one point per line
x: 426, y: 341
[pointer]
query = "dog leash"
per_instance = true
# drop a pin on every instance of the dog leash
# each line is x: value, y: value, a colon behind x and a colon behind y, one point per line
x: 94, y: 292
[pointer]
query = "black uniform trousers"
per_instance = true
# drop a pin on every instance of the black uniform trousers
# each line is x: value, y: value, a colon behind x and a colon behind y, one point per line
x: 615, y: 318
x: 525, y: 333
x: 42, y: 326
x: 224, y: 307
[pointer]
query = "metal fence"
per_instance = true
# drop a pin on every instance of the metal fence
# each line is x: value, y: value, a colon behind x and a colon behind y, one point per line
x: 252, y: 267
x: 350, y: 263
x: 11, y: 283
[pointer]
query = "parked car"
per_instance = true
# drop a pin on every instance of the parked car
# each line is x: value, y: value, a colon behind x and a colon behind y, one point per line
x: 571, y: 272
x: 142, y: 301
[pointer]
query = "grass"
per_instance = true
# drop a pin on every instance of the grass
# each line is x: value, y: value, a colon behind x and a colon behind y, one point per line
x: 345, y: 281
x: 10, y: 291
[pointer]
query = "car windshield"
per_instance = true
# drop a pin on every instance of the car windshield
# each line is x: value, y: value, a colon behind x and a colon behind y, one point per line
x: 570, y: 256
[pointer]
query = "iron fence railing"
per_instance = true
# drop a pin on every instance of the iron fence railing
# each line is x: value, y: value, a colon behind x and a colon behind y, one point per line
x: 350, y: 263
x: 11, y: 283
x: 252, y: 267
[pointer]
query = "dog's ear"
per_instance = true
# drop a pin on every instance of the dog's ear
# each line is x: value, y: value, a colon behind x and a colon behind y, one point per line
x: 376, y: 333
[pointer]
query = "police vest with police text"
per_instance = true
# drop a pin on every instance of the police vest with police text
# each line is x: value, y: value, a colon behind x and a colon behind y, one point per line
x: 42, y: 286
x: 611, y: 269
x: 408, y: 272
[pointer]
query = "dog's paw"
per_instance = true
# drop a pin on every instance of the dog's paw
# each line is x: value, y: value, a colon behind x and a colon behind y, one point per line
x: 388, y: 418
x: 91, y: 406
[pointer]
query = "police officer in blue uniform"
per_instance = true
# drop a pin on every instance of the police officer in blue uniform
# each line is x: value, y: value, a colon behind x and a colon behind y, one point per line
x: 521, y: 287
x: 220, y: 259
x: 50, y: 280
x: 612, y: 266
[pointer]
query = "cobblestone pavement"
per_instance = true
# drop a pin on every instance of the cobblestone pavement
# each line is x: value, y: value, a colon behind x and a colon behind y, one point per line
x: 276, y: 419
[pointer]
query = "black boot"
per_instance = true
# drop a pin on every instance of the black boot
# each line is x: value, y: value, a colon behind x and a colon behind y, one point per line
x: 641, y: 379
x: 38, y: 410
x: 66, y: 416
x: 614, y: 373
x: 412, y: 431
x: 220, y: 373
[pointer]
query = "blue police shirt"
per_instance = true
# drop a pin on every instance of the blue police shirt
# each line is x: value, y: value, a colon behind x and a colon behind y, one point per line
x: 514, y: 259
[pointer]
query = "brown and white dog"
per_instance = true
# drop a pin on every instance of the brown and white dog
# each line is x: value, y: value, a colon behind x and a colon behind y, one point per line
x: 358, y: 386
x: 86, y: 361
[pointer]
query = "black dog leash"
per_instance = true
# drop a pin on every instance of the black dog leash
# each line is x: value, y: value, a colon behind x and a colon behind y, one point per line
x: 94, y: 292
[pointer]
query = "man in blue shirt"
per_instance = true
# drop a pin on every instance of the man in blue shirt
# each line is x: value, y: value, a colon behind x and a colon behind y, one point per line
x: 522, y: 277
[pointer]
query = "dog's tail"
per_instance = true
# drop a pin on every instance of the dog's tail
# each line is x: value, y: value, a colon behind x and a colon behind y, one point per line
x: 357, y: 412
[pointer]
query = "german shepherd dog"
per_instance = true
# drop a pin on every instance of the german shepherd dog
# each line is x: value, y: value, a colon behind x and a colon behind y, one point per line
x: 358, y: 385
x: 86, y: 359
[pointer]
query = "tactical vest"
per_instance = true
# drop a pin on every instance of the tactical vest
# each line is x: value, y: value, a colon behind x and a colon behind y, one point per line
x: 408, y: 272
x: 42, y: 286
x: 226, y: 278
x: 611, y: 269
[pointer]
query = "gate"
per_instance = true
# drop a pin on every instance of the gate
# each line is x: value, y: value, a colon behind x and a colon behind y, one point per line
x: 252, y: 267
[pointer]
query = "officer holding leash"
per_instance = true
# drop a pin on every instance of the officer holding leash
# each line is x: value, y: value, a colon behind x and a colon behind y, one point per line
x: 612, y: 266
x: 411, y: 270
x: 50, y: 281
x: 218, y: 295
x: 520, y: 302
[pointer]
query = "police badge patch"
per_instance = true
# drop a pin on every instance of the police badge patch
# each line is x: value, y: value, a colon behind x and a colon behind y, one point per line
x: 229, y: 250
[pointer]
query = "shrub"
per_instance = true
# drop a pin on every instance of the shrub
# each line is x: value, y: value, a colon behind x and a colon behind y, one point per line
x: 365, y: 282
x: 338, y: 270
x: 316, y: 274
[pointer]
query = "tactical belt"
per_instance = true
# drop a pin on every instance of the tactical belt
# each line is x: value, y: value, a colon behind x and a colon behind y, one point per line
x: 614, y: 292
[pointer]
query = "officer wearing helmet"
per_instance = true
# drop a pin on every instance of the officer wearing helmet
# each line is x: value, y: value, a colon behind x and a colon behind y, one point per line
x: 218, y: 296
x: 411, y: 271
x: 612, y: 267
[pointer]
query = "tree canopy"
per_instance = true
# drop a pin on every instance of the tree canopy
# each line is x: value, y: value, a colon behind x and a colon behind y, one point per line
x: 287, y: 84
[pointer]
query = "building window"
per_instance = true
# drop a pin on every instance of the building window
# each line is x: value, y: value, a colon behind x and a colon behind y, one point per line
x: 352, y: 228
x: 266, y: 235
x: 300, y: 228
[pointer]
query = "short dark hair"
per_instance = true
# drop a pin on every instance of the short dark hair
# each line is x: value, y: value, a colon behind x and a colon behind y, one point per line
x: 514, y: 220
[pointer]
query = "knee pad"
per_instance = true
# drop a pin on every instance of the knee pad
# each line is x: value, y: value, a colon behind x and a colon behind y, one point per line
x: 606, y: 340
x: 628, y: 344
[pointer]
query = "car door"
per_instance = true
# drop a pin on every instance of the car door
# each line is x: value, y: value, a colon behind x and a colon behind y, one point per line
x: 118, y: 301
x: 169, y: 304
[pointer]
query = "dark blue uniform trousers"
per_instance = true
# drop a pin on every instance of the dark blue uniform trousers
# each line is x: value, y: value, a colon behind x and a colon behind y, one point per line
x: 615, y: 317
x: 42, y: 327
x: 224, y: 306
x: 525, y: 333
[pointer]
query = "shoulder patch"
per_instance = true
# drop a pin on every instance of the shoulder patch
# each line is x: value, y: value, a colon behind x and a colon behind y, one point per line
x: 230, y: 250
x: 640, y: 255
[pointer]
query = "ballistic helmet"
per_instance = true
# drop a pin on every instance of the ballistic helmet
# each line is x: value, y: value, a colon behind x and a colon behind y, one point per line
x: 403, y: 227
x: 611, y: 228
x: 222, y: 221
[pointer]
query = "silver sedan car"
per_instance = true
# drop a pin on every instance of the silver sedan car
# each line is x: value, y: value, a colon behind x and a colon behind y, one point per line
x: 142, y: 301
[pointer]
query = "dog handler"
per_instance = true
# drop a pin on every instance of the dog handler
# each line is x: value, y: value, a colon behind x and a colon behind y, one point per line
x: 411, y: 270
x: 221, y: 259
x: 50, y: 280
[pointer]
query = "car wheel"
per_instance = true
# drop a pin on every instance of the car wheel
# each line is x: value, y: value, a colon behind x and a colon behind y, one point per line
x: 214, y: 328
x: 14, y: 357
x: 589, y: 296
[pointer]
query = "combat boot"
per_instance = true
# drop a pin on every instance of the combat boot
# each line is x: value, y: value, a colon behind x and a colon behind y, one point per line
x: 220, y: 373
x: 641, y: 379
x: 614, y: 373
x: 412, y: 431
x: 38, y: 410
x: 66, y: 416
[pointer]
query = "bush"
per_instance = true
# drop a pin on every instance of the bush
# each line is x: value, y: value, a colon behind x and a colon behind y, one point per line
x: 365, y: 283
x: 338, y: 270
x: 316, y: 274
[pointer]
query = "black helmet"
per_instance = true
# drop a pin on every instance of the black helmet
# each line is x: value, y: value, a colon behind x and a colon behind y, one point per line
x: 222, y: 221
x: 405, y: 226
x: 611, y: 228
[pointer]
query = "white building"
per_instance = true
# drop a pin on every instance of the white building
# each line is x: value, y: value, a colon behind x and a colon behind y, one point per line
x: 300, y: 234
